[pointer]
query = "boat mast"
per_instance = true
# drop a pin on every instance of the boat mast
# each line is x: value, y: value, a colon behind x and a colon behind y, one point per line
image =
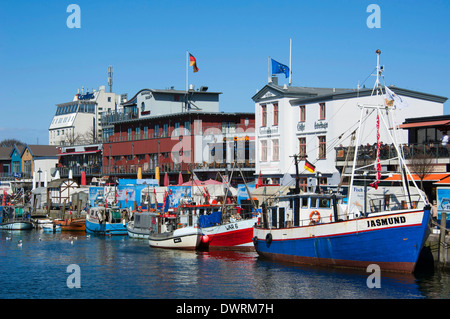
x: 355, y: 155
x: 297, y: 176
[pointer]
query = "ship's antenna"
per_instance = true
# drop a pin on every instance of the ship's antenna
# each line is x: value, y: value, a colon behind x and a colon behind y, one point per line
x: 110, y: 78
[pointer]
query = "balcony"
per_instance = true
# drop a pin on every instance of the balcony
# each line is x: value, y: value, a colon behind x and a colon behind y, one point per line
x: 240, y: 131
x: 411, y: 151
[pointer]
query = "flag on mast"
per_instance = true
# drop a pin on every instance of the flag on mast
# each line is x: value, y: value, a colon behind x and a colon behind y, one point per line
x: 392, y: 98
x: 193, y: 62
x: 277, y: 67
x: 309, y: 167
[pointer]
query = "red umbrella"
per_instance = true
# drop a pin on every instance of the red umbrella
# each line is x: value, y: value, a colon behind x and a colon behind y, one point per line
x: 83, y: 177
x: 166, y: 179
x: 180, y: 179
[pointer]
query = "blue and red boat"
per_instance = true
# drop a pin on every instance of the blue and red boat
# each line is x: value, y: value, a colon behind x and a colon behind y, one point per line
x: 391, y: 240
x: 319, y: 229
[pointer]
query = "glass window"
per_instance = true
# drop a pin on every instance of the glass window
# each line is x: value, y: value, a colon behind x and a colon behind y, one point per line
x: 302, y: 147
x: 276, y: 151
x: 145, y: 131
x: 322, y: 111
x: 263, y: 115
x: 322, y: 147
x: 176, y: 129
x: 302, y: 113
x: 263, y: 151
x: 313, y: 202
x: 324, y: 203
x: 304, y: 202
x: 275, y: 114
x: 156, y: 131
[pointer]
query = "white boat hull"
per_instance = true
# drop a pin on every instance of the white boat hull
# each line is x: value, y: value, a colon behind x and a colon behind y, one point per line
x: 188, y: 238
x: 17, y: 226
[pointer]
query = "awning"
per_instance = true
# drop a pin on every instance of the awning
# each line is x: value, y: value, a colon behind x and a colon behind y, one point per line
x: 424, y: 124
x: 443, y: 181
x: 429, y: 177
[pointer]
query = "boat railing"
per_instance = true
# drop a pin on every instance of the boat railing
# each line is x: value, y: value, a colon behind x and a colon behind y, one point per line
x: 391, y: 202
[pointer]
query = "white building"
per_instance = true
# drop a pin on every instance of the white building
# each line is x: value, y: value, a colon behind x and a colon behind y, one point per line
x: 311, y: 122
x: 79, y: 121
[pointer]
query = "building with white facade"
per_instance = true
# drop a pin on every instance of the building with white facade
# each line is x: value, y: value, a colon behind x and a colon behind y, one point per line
x: 312, y: 122
x: 79, y: 121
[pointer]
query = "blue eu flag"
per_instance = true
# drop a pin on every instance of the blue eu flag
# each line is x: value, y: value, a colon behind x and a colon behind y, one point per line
x: 277, y: 67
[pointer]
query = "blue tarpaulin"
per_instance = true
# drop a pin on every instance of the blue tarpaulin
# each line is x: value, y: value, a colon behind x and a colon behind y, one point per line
x: 209, y: 220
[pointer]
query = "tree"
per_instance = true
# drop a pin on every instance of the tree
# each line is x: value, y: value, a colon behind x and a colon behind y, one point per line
x: 11, y: 142
x: 421, y: 164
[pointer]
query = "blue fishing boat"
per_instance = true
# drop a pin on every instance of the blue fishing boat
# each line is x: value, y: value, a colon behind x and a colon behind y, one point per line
x: 106, y: 221
x: 14, y: 218
x: 320, y: 229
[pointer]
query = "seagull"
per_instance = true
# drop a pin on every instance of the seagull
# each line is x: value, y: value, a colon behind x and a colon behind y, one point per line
x: 8, y: 238
x: 19, y: 243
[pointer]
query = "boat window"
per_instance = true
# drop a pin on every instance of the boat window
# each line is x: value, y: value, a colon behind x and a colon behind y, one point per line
x: 297, y: 212
x: 274, y: 217
x: 304, y: 202
x: 324, y: 203
x: 281, y: 217
x: 313, y: 202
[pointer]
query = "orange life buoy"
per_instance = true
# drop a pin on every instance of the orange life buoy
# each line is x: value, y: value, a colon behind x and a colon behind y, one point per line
x: 314, y: 212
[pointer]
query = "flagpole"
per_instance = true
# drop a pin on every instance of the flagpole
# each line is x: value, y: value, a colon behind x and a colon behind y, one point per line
x: 187, y: 73
x: 187, y: 77
x: 268, y: 71
x: 290, y: 61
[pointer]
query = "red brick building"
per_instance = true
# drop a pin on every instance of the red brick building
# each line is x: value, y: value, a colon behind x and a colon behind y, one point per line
x: 207, y: 143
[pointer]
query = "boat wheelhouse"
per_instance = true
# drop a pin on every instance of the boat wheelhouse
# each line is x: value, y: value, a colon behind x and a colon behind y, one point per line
x: 106, y: 221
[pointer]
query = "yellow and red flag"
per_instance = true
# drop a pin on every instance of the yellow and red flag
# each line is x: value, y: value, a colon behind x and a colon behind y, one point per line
x: 193, y: 62
x: 309, y: 167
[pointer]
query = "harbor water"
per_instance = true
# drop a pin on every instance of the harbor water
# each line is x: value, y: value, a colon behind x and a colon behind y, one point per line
x: 39, y: 265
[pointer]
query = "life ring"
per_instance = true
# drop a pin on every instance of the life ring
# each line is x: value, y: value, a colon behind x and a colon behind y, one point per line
x: 268, y: 238
x: 315, y: 220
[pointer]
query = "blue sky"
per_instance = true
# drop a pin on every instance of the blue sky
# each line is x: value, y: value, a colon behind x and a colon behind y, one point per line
x: 43, y: 62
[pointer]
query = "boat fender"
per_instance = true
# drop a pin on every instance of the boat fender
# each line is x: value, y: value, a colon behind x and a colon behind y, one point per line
x: 255, y: 240
x: 312, y: 218
x: 268, y: 238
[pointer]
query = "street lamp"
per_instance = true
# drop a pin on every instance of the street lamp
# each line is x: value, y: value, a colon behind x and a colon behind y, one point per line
x: 39, y: 172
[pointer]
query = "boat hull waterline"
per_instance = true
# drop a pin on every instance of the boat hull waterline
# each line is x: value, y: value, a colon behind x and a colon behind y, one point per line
x: 105, y: 228
x: 232, y: 236
x: 393, y: 242
x: 16, y: 225
x: 188, y: 238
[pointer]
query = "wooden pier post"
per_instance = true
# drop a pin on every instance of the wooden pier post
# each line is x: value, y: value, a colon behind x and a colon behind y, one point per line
x: 442, y: 250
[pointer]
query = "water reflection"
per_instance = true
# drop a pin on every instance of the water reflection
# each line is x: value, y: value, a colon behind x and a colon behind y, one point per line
x: 120, y: 267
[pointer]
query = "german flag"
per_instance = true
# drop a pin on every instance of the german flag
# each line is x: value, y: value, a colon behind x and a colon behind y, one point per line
x: 309, y: 167
x: 193, y: 62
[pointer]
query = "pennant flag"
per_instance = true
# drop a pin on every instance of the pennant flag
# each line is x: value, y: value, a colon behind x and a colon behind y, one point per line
x: 378, y: 164
x: 309, y: 167
x: 392, y: 98
x: 193, y: 62
x: 279, y: 68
